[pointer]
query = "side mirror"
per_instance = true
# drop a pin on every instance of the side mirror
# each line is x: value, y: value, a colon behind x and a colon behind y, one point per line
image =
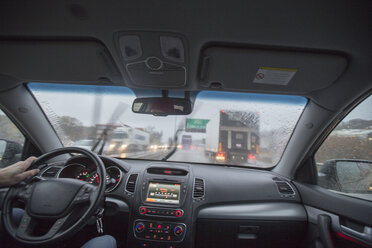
x: 10, y: 152
x: 162, y: 106
x: 354, y: 176
x: 346, y: 175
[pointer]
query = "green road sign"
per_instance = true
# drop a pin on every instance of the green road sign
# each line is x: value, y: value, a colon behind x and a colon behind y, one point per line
x: 196, y: 125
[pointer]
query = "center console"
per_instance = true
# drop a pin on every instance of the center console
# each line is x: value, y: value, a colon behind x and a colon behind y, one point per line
x: 161, y: 216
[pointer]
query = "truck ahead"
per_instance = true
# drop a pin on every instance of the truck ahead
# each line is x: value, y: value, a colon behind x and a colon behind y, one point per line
x: 186, y: 142
x: 233, y: 136
x: 128, y: 139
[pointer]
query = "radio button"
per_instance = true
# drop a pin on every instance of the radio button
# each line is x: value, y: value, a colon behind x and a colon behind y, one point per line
x: 143, y: 210
x: 178, y: 213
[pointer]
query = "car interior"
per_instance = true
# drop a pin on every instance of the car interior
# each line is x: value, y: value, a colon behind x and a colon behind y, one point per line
x: 188, y: 123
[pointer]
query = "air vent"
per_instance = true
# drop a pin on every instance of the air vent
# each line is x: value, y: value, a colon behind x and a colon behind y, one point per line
x: 277, y: 179
x: 199, y: 188
x: 131, y: 183
x: 285, y: 188
x: 51, y: 172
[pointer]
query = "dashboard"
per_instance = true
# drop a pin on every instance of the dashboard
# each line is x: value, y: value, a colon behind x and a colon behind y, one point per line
x: 171, y: 204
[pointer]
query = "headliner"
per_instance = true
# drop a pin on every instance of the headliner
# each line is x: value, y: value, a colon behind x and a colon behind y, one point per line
x: 332, y: 25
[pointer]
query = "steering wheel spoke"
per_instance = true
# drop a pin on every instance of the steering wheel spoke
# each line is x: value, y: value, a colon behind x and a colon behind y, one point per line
x: 24, y: 226
x: 24, y: 192
x: 85, y: 194
x: 28, y: 223
x: 56, y: 227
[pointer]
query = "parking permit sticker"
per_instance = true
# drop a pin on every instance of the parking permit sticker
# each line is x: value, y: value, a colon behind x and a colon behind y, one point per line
x: 270, y: 75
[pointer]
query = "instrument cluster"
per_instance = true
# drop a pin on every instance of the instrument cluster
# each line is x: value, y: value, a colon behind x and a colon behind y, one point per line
x: 84, y: 173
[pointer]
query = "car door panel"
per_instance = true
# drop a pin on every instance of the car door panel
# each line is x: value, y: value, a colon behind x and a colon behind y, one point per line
x: 351, y: 218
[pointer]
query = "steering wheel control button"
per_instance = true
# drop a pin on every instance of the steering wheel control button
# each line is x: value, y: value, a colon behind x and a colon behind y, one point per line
x: 178, y: 230
x: 25, y: 193
x: 25, y: 221
x: 153, y: 63
x: 140, y: 227
x: 85, y: 197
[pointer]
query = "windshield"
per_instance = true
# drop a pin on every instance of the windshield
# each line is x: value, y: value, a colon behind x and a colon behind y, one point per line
x: 224, y: 128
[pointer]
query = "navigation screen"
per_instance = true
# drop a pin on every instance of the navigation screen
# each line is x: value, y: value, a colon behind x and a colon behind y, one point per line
x: 163, y: 193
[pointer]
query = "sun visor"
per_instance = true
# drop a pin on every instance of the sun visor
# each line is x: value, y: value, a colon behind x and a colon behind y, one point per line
x: 58, y: 61
x: 269, y: 70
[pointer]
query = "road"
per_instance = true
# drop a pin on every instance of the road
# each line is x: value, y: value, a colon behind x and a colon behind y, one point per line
x: 192, y: 156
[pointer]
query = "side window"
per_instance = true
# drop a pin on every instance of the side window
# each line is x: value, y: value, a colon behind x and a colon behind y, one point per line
x: 11, y: 142
x: 344, y: 161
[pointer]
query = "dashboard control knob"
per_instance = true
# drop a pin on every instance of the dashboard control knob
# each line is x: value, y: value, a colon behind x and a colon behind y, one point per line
x: 178, y: 213
x: 143, y: 210
x: 140, y: 227
x: 178, y: 230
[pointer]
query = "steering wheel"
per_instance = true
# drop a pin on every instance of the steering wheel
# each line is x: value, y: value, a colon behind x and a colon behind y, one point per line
x: 64, y: 204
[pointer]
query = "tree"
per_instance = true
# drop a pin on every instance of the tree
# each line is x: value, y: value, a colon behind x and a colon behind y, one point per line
x: 71, y: 127
x: 9, y: 131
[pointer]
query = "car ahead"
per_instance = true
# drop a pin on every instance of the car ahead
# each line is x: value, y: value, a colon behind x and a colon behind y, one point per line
x: 270, y: 99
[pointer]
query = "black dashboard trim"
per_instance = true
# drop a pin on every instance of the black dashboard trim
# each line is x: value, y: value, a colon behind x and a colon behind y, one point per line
x: 282, y: 211
x: 121, y: 206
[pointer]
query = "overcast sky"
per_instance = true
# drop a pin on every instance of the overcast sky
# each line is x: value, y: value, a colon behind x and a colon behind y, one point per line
x: 362, y: 111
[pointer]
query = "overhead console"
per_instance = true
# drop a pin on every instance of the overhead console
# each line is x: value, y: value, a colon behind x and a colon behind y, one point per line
x: 153, y: 59
x: 267, y: 70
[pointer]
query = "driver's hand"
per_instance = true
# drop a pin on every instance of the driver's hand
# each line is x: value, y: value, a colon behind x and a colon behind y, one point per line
x: 17, y: 172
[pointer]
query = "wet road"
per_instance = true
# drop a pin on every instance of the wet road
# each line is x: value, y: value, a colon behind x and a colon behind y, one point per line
x: 192, y: 156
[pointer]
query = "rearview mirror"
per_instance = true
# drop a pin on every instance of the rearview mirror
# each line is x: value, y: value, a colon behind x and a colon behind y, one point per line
x: 162, y: 106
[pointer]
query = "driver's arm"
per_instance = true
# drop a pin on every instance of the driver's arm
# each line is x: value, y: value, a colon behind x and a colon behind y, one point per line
x: 17, y: 172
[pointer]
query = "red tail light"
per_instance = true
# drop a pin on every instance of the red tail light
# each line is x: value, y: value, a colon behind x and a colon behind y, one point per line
x: 251, y: 157
x: 220, y: 156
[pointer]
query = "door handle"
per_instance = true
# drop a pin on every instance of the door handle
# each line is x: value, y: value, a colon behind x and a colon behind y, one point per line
x: 366, y: 235
x: 324, y: 222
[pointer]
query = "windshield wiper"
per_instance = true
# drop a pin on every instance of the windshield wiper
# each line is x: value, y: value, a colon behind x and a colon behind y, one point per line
x: 102, y: 139
x: 174, y: 149
x: 181, y: 127
x: 119, y: 110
